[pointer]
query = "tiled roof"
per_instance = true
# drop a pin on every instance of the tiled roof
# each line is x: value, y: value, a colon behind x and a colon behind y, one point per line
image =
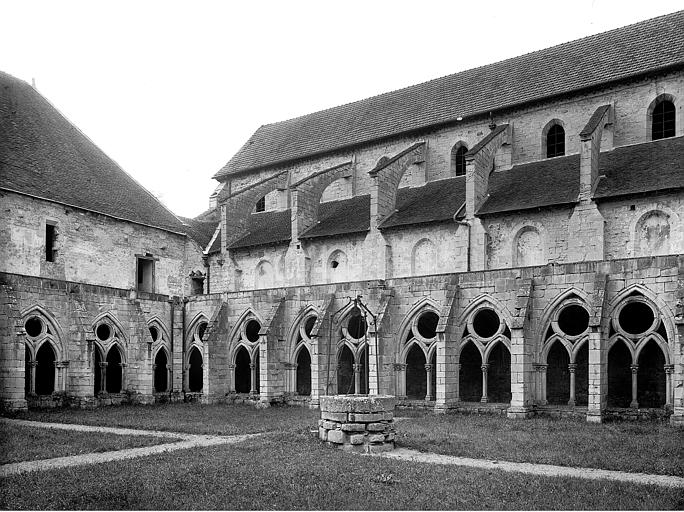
x: 266, y: 228
x: 434, y: 202
x: 636, y: 169
x: 201, y: 232
x: 44, y: 155
x: 341, y: 217
x: 553, y: 181
x: 641, y: 168
x: 577, y: 65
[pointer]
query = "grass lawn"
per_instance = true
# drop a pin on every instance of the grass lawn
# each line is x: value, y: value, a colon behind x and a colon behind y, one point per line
x: 182, y: 417
x: 292, y: 470
x: 19, y: 443
x: 636, y: 447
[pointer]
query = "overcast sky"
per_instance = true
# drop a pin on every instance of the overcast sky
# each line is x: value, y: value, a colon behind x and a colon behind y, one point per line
x: 171, y: 90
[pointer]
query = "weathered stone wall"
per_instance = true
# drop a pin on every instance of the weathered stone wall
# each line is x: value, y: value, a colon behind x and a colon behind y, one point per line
x: 90, y: 248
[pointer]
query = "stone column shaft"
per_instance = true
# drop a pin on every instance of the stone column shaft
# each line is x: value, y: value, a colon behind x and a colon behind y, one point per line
x: 485, y: 369
x: 572, y: 367
x: 634, y: 404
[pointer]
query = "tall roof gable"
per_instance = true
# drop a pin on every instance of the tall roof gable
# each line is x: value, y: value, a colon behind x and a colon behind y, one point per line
x: 44, y: 155
x: 631, y: 51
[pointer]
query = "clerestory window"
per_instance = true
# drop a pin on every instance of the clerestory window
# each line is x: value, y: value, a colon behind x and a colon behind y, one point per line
x: 663, y: 123
x: 555, y: 141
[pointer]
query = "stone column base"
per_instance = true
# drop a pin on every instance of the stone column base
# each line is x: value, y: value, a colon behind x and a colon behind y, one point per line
x: 594, y: 417
x: 519, y: 413
x: 444, y: 407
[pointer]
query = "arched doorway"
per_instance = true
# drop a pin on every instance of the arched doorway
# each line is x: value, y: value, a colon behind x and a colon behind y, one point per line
x: 114, y: 371
x: 243, y: 374
x: 416, y: 375
x: 651, y: 376
x: 558, y: 375
x: 303, y: 385
x: 499, y: 374
x: 45, y: 370
x: 470, y: 374
x: 345, y: 371
x: 619, y: 375
x: 161, y: 372
x: 196, y: 372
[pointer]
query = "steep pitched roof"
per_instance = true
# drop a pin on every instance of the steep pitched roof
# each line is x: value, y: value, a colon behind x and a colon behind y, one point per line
x: 435, y: 201
x: 266, y: 228
x: 42, y: 154
x: 636, y: 169
x: 201, y: 232
x: 577, y: 65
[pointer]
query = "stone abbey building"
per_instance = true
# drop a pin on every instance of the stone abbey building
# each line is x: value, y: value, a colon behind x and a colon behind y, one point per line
x: 507, y: 238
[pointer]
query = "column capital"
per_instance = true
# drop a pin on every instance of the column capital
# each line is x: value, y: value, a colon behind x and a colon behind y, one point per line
x: 357, y: 367
x: 572, y: 367
x: 252, y: 366
x: 669, y: 368
x: 429, y: 367
x: 485, y: 367
x: 104, y: 364
x: 33, y: 364
x: 540, y: 367
x: 231, y: 366
x: 634, y: 368
x: 397, y: 367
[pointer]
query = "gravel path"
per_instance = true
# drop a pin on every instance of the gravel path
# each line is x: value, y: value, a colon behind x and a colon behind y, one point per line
x: 183, y: 442
x: 535, y: 469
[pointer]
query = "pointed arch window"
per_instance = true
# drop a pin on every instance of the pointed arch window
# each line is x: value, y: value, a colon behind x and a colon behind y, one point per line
x: 555, y: 141
x: 663, y: 120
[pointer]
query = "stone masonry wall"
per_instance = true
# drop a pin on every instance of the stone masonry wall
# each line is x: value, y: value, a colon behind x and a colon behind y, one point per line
x: 90, y: 248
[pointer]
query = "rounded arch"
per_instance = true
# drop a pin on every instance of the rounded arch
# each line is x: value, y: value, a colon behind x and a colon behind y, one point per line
x: 423, y: 256
x: 658, y: 101
x: 651, y: 235
x: 553, y: 139
x: 458, y: 161
x: 340, y: 188
x: 528, y: 248
x: 337, y: 266
x: 264, y: 275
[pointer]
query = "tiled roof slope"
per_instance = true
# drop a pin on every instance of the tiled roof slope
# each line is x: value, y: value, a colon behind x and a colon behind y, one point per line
x: 435, y: 201
x: 648, y: 167
x: 342, y: 217
x: 266, y: 228
x: 44, y: 155
x: 548, y: 182
x: 591, y: 61
x: 636, y: 169
x: 201, y: 232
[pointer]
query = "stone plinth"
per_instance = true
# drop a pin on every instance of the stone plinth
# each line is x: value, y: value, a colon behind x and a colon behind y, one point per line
x: 358, y: 423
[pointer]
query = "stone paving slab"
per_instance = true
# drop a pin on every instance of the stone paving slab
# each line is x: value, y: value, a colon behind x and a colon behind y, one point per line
x: 535, y: 469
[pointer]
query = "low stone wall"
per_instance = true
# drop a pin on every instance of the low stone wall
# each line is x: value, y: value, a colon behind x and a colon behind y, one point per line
x: 359, y: 423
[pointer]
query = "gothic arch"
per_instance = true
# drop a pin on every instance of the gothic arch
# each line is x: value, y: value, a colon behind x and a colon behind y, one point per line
x: 236, y: 333
x: 118, y: 332
x: 50, y: 331
x: 191, y: 333
x: 408, y: 323
x: 307, y: 312
x: 492, y: 302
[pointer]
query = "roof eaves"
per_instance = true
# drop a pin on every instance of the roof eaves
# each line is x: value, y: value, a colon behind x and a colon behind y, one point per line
x: 123, y: 219
x: 497, y: 211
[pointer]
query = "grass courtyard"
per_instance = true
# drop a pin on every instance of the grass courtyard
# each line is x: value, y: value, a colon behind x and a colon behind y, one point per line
x: 286, y: 467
